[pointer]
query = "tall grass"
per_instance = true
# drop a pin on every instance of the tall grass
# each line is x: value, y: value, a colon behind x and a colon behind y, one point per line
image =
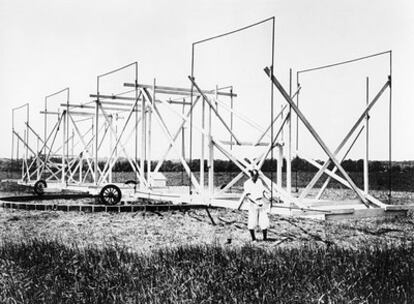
x: 40, y: 271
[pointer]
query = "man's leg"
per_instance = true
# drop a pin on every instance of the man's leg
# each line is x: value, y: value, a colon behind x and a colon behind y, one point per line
x: 252, y: 234
x: 263, y: 222
x: 264, y: 234
x: 253, y: 220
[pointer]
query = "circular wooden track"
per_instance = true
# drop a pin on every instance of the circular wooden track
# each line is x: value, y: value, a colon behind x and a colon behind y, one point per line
x: 26, y: 203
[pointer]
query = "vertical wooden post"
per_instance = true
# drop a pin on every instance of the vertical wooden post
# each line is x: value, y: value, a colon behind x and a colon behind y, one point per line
x: 183, y: 143
x: 297, y: 130
x: 45, y: 128
x: 96, y: 137
x: 63, y: 147
x: 24, y: 154
x: 289, y: 142
x: 12, y: 150
x: 37, y: 160
x: 231, y: 118
x: 279, y: 164
x: 280, y: 152
x: 110, y: 148
x: 17, y: 149
x: 136, y: 126
x: 149, y: 131
x: 73, y: 143
x: 366, y: 158
x: 390, y: 132
x: 143, y: 139
x: 66, y: 122
x: 27, y: 133
x: 116, y: 132
x: 23, y: 159
x: 80, y: 167
x: 210, y: 154
x: 203, y: 110
x: 93, y: 136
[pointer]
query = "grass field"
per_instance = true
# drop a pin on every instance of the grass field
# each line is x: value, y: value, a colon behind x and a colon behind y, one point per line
x: 176, y: 257
x: 181, y: 257
x: 50, y: 272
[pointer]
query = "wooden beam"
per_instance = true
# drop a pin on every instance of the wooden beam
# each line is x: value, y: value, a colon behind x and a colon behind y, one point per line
x: 366, y: 155
x: 243, y: 143
x: 366, y: 213
x: 84, y: 106
x: 172, y: 90
x: 50, y: 112
x: 111, y: 97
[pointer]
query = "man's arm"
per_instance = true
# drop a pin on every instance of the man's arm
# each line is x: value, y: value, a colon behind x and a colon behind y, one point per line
x: 245, y: 195
x: 266, y: 192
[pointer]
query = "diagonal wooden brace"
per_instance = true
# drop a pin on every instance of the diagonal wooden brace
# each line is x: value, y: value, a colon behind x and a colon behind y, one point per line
x: 315, y: 135
x: 213, y: 108
x: 344, y: 141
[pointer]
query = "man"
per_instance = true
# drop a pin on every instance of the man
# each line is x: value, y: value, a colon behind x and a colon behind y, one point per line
x: 255, y: 192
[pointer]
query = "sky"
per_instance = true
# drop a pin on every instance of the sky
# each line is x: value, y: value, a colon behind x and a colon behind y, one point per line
x: 46, y: 46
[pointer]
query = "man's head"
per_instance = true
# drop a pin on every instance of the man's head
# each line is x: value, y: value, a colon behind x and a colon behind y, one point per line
x: 254, y: 174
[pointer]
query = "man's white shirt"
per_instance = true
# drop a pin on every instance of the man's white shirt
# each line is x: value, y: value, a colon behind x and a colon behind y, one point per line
x: 254, y: 189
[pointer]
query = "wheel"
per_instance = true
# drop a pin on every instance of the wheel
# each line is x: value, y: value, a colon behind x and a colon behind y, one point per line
x: 39, y: 187
x: 110, y: 195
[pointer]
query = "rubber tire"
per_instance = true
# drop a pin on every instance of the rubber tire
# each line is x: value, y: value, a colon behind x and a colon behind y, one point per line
x: 110, y: 195
x: 39, y: 187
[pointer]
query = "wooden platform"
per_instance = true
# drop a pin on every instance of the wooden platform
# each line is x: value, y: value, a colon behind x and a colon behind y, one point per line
x: 99, y: 208
x: 172, y: 198
x: 327, y: 210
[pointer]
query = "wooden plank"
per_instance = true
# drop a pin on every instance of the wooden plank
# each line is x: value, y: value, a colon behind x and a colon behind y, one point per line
x: 125, y: 209
x: 243, y: 143
x: 366, y: 213
x: 327, y: 203
x: 398, y: 207
x: 87, y: 208
x: 50, y: 112
x: 375, y: 201
x: 171, y: 90
x: 83, y: 106
x: 113, y: 97
x: 99, y: 209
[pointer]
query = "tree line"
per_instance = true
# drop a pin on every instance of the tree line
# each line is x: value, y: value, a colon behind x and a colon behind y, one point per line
x: 298, y: 164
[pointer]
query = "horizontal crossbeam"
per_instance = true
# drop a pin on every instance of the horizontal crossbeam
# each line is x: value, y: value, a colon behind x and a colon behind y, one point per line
x: 179, y: 91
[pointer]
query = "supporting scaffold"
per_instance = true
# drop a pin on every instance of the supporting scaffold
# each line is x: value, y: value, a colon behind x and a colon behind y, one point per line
x: 128, y: 125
